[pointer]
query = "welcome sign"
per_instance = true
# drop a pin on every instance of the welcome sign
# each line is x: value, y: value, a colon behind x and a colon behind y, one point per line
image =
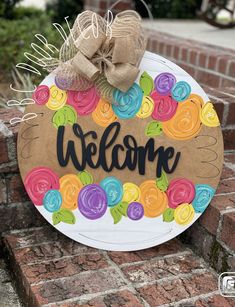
x: 127, y: 175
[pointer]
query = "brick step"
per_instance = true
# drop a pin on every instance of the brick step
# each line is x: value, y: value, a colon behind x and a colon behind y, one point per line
x: 52, y: 270
x: 209, y: 65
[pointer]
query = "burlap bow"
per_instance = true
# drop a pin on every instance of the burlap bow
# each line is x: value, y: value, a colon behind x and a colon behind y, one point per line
x: 95, y: 50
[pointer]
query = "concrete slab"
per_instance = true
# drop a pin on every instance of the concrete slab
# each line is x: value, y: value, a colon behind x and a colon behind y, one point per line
x: 196, y: 30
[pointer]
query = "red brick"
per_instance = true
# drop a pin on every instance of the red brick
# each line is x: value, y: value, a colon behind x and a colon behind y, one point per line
x: 227, y: 173
x: 188, y: 69
x: 154, y: 45
x: 170, y: 247
x: 202, y: 60
x: 228, y: 230
x: 172, y: 291
x: 184, y: 54
x: 91, y: 282
x: 53, y: 269
x: 124, y: 257
x: 32, y: 236
x: 3, y: 192
x: 117, y: 299
x: 219, y: 107
x: 223, y: 202
x: 193, y: 57
x: 103, y: 5
x: 227, y: 83
x: 16, y: 189
x: 149, y: 44
x: 208, y: 78
x: 212, y: 62
x: 226, y: 186
x: 231, y: 113
x: 161, y: 47
x: 122, y: 6
x: 231, y: 70
x: 229, y: 139
x: 214, y: 301
x: 161, y: 268
x: 223, y: 64
x: 18, y: 216
x: 169, y: 49
x: 210, y: 219
x: 50, y: 251
x: 229, y: 158
x: 3, y: 149
x: 176, y: 52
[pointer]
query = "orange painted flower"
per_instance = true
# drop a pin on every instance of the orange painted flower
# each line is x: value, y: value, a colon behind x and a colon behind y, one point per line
x: 186, y: 122
x: 70, y: 185
x: 103, y: 115
x: 153, y: 199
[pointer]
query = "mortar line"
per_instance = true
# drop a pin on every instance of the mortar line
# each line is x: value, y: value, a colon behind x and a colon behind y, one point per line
x: 184, y: 253
x: 86, y: 297
x: 59, y: 258
x: 192, y: 299
x: 124, y: 278
x: 64, y: 278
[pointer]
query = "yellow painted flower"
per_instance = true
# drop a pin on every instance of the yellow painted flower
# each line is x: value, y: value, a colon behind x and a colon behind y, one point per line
x: 131, y: 192
x: 146, y: 108
x: 57, y: 98
x: 209, y: 116
x: 184, y: 214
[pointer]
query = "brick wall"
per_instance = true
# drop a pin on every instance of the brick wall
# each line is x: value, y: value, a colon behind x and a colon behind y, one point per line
x: 209, y: 65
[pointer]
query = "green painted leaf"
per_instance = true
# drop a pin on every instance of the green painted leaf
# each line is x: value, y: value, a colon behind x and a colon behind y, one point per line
x: 66, y: 216
x: 117, y: 216
x: 64, y: 116
x: 58, y: 119
x: 168, y: 215
x: 122, y: 208
x: 154, y: 128
x: 162, y: 182
x: 85, y: 177
x: 70, y: 115
x: 146, y: 83
x: 56, y: 218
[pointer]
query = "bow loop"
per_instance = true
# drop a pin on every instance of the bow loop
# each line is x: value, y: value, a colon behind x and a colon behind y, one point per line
x: 93, y: 53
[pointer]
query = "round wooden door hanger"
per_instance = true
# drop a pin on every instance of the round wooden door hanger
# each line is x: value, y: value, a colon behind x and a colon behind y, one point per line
x: 128, y: 175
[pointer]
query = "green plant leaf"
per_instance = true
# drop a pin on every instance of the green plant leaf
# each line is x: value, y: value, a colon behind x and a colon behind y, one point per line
x: 154, y: 128
x: 146, y: 83
x: 122, y: 208
x: 168, y: 215
x: 56, y: 218
x: 66, y: 216
x: 162, y: 182
x: 116, y: 215
x: 85, y: 177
